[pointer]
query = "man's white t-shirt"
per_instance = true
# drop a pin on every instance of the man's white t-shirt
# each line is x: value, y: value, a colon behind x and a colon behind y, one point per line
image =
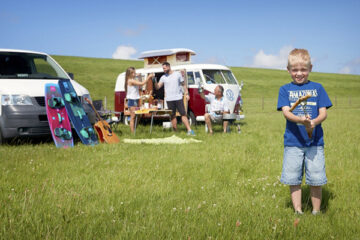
x: 217, y: 105
x: 172, y: 84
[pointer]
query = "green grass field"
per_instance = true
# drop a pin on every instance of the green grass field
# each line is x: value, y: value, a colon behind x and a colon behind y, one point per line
x: 226, y: 187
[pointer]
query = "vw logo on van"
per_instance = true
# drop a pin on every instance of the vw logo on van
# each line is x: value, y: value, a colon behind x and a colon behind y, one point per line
x: 230, y: 95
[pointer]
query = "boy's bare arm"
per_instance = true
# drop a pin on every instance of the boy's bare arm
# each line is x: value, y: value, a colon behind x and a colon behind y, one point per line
x: 320, y: 118
x: 309, y: 123
x: 293, y: 118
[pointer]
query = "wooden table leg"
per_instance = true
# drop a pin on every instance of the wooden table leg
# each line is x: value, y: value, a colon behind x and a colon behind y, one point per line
x: 152, y: 119
x: 135, y: 124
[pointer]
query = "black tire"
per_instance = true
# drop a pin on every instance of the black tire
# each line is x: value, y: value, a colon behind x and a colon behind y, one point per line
x: 2, y: 140
x: 192, y: 118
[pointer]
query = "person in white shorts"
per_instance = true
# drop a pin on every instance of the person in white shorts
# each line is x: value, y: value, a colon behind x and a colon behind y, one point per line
x: 218, y: 107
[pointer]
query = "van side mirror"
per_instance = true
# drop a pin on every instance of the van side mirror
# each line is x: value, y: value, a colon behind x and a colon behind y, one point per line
x: 71, y: 75
x: 241, y: 85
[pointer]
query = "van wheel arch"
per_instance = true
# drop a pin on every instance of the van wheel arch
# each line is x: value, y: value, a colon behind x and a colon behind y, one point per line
x: 2, y: 140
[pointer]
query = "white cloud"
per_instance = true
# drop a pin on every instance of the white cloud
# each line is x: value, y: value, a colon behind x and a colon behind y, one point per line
x: 352, y: 67
x: 345, y: 70
x: 124, y: 52
x: 278, y: 61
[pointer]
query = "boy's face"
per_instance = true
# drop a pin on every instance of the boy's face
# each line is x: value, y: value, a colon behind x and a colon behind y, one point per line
x: 300, y: 72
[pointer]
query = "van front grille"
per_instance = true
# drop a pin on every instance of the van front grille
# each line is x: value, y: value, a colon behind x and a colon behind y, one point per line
x: 40, y: 101
x: 43, y: 118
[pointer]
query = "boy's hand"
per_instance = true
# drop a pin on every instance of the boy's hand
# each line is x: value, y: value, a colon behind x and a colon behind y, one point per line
x: 312, y: 124
x: 306, y: 121
x: 309, y: 125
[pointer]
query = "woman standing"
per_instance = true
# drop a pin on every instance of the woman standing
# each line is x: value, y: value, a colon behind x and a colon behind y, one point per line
x: 132, y: 92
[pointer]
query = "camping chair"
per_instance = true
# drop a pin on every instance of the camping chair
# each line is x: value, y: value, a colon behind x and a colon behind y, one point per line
x: 98, y: 104
x: 107, y: 115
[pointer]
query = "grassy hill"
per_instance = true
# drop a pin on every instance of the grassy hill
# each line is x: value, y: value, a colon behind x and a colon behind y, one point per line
x: 96, y: 74
x: 99, y: 77
x: 225, y: 187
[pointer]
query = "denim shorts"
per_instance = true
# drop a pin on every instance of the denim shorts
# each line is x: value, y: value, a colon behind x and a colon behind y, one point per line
x: 133, y: 102
x: 216, y: 118
x: 310, y: 158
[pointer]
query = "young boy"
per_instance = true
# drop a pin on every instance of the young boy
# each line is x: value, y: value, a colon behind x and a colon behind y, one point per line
x: 303, y: 138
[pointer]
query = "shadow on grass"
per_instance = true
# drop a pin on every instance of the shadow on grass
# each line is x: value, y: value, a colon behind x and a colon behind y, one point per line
x: 35, y: 140
x: 327, y: 195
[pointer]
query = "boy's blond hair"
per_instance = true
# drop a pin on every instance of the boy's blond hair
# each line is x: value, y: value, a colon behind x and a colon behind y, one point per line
x: 301, y: 56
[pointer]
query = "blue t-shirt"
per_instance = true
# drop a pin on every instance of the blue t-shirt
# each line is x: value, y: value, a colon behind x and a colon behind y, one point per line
x: 295, y: 133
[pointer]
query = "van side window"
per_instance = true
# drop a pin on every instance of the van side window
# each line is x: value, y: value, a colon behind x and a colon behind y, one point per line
x: 197, y: 76
x: 190, y: 78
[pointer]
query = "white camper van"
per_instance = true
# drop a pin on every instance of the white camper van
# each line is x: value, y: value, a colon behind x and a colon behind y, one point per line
x: 206, y: 75
x: 23, y: 75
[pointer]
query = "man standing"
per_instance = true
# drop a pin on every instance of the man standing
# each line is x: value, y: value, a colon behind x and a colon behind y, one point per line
x: 218, y: 107
x: 173, y: 82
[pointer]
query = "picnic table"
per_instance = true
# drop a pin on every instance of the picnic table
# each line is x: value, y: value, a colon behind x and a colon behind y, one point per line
x: 153, y: 112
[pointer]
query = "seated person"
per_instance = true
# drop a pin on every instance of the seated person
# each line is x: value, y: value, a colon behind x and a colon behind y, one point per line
x: 218, y: 107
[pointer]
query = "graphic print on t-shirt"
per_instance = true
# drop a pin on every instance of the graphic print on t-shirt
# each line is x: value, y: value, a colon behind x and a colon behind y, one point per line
x: 306, y: 107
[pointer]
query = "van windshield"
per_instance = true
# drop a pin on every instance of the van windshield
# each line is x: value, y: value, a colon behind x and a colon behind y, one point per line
x: 229, y: 77
x: 29, y: 66
x: 218, y: 76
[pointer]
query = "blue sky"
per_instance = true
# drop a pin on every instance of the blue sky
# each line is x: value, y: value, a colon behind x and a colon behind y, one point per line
x: 234, y: 33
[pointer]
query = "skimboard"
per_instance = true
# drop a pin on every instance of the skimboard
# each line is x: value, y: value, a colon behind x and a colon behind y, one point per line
x: 76, y: 114
x: 57, y: 116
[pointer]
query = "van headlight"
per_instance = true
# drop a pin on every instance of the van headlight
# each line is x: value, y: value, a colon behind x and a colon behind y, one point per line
x: 16, y: 100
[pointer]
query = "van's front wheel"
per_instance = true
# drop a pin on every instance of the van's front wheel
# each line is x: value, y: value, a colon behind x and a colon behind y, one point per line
x: 192, y: 118
x: 2, y: 140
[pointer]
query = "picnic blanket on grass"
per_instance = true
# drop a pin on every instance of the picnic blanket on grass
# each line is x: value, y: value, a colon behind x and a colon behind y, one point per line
x: 169, y: 140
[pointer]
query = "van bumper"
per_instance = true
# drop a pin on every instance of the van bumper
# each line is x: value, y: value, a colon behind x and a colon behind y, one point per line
x: 240, y: 117
x: 21, y: 121
x: 232, y: 116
